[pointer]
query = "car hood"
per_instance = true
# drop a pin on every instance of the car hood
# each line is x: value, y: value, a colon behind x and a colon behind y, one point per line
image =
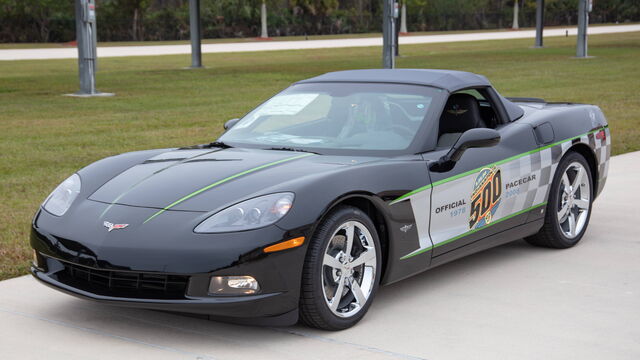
x: 209, y: 179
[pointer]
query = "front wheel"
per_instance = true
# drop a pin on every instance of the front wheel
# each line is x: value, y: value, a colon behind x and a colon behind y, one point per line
x: 569, y: 206
x: 341, y: 271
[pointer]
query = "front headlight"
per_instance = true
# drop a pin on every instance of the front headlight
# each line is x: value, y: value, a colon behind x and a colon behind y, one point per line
x: 62, y: 197
x: 250, y: 214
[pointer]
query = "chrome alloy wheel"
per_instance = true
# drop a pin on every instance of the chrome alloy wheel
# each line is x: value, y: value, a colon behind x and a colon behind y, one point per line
x: 349, y: 269
x: 573, y: 200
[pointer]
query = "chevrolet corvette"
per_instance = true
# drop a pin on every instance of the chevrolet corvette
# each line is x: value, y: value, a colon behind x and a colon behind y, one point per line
x: 337, y: 185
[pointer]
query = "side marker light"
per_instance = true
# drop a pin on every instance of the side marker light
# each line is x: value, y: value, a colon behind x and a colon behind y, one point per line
x: 285, y: 245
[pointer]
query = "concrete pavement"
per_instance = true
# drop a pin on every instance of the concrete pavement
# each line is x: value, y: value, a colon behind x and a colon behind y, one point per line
x: 511, y: 302
x: 154, y: 50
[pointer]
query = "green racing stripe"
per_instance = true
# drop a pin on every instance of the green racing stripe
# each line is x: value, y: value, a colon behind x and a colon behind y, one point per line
x: 135, y: 185
x: 470, y: 232
x: 219, y: 182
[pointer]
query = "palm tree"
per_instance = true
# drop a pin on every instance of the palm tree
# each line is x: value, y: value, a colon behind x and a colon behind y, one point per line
x: 403, y: 18
x: 515, y: 15
x: 263, y: 20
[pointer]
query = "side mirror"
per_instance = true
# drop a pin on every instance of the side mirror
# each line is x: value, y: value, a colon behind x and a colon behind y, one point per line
x: 472, y: 138
x: 229, y: 124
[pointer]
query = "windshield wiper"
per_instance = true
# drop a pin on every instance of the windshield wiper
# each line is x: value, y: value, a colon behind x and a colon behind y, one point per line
x: 284, y: 148
x: 220, y: 144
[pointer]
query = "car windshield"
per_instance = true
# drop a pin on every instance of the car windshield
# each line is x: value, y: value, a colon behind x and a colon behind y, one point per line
x: 355, y: 116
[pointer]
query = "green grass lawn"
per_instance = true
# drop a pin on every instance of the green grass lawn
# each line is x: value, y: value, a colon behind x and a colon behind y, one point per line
x: 45, y: 137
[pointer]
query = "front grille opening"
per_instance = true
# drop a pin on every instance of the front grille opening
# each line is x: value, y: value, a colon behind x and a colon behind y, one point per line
x: 124, y: 283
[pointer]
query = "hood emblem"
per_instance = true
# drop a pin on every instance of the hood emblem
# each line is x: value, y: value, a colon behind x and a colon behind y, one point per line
x: 111, y: 226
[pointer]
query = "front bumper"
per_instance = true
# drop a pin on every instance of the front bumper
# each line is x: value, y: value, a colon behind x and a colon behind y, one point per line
x: 265, y: 309
x: 275, y: 308
x: 147, y: 269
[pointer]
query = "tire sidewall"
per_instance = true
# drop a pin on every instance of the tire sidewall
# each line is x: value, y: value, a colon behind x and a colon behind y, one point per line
x: 322, y: 235
x: 552, y: 210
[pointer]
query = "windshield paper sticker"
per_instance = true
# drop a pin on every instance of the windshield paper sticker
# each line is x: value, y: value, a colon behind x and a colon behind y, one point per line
x: 279, y: 105
x: 287, y: 104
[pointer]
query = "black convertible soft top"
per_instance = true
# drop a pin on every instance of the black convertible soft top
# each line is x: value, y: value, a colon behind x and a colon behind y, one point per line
x: 446, y: 79
x: 450, y: 80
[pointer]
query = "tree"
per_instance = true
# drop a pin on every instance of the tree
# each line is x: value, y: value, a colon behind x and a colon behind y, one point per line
x: 314, y: 12
x: 403, y: 18
x: 134, y: 10
x: 416, y: 14
x: 263, y: 20
x: 122, y: 20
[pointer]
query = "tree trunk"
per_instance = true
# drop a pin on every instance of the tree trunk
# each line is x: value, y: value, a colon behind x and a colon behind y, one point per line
x: 135, y: 25
x: 263, y: 20
x: 43, y: 25
x: 403, y: 18
x: 515, y: 15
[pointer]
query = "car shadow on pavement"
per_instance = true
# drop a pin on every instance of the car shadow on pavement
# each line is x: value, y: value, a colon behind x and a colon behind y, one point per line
x: 457, y: 270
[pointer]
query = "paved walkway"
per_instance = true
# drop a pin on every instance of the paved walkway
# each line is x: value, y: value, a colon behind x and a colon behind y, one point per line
x: 511, y: 302
x: 151, y: 50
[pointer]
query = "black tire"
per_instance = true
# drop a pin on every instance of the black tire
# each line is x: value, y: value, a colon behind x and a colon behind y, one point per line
x: 551, y: 235
x: 313, y: 308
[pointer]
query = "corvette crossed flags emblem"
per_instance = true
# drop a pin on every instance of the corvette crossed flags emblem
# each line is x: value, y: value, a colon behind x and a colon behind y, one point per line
x: 111, y: 226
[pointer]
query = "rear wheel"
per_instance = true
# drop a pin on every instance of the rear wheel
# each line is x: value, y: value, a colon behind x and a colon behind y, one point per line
x: 569, y: 206
x: 341, y: 271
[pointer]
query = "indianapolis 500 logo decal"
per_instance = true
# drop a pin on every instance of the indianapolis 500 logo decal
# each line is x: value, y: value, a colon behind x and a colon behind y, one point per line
x: 485, y: 199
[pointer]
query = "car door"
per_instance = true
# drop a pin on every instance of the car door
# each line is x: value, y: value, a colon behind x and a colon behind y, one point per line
x: 487, y: 191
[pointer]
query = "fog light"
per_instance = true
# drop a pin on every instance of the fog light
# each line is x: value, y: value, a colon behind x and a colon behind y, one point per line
x: 233, y: 285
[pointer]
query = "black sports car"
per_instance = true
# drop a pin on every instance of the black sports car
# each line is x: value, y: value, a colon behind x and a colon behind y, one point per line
x: 336, y: 185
